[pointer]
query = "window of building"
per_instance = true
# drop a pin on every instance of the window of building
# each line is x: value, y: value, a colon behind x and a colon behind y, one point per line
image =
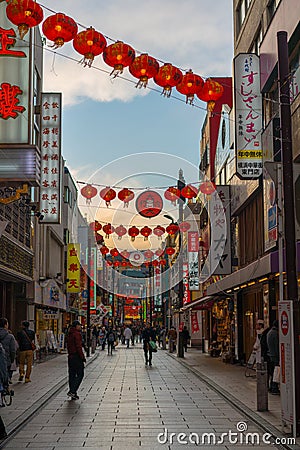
x: 66, y: 236
x: 67, y: 195
x: 257, y: 41
x: 241, y: 13
x: 271, y: 8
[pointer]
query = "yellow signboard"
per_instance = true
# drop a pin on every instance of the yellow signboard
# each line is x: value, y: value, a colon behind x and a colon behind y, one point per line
x: 73, y: 268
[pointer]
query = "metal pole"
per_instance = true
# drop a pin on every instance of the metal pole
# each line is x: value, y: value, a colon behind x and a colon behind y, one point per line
x: 151, y: 292
x: 289, y: 206
x: 280, y: 230
x: 88, y: 300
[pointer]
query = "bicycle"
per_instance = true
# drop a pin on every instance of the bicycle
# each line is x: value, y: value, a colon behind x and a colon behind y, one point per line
x: 6, y: 397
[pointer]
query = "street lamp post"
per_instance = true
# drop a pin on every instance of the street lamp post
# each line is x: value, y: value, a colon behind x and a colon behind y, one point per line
x: 88, y: 300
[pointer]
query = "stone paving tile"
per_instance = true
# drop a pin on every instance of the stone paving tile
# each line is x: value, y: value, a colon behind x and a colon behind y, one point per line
x: 132, y: 407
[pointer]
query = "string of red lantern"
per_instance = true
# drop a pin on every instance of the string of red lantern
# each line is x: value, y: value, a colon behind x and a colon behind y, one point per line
x: 60, y: 28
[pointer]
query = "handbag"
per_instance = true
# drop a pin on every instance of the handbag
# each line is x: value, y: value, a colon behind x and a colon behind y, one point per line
x: 153, y: 346
x: 33, y: 346
x: 276, y: 374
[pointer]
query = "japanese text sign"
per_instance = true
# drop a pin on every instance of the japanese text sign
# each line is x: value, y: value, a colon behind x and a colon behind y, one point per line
x: 194, y: 322
x: 220, y: 249
x: 50, y: 189
x: 193, y: 262
x: 248, y: 115
x: 73, y: 268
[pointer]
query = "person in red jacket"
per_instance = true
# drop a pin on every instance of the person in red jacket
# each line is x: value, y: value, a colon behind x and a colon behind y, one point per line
x: 76, y: 359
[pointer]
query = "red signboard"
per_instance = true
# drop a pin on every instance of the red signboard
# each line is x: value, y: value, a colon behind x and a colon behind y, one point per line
x: 193, y: 241
x: 149, y: 204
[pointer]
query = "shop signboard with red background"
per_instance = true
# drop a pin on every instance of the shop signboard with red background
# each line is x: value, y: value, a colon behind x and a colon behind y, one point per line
x: 193, y: 262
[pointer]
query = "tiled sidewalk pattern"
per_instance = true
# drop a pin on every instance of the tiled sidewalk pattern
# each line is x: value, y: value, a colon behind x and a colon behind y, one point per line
x: 124, y: 405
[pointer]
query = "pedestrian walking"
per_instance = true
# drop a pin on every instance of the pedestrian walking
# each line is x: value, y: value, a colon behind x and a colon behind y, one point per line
x: 110, y: 339
x: 172, y: 336
x: 257, y: 343
x: 102, y: 338
x: 186, y: 337
x: 76, y: 359
x: 148, y: 335
x: 26, y: 338
x: 273, y: 352
x: 8, y: 343
x: 127, y: 336
x: 162, y: 338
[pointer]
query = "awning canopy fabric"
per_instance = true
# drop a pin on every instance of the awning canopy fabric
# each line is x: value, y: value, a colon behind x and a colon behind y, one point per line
x: 201, y: 303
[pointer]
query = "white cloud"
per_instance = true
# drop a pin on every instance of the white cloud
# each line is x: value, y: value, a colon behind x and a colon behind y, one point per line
x: 193, y: 34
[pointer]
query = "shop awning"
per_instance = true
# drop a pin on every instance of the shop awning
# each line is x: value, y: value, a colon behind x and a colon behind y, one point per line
x: 201, y: 303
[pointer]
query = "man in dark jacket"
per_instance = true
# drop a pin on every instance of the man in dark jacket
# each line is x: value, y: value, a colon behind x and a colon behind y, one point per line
x: 273, y: 352
x: 8, y: 342
x: 148, y: 335
x: 186, y: 337
x: 76, y: 359
x: 25, y: 339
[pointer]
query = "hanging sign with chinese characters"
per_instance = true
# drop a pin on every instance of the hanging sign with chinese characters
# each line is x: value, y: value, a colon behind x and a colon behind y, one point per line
x: 14, y: 84
x: 50, y: 189
x: 248, y: 115
x: 73, y: 268
x: 219, y: 213
x: 193, y: 249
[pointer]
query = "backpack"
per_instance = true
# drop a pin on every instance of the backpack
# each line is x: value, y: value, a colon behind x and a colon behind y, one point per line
x: 111, y: 337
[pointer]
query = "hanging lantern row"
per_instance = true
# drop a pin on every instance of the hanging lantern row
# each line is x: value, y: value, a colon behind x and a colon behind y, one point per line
x: 148, y: 254
x: 60, y: 28
x: 173, y: 194
x: 145, y: 231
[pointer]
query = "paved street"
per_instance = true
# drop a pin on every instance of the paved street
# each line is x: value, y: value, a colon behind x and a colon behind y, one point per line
x: 124, y: 404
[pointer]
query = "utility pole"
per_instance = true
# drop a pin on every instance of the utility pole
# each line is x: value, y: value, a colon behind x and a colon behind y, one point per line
x: 289, y: 205
x: 181, y: 200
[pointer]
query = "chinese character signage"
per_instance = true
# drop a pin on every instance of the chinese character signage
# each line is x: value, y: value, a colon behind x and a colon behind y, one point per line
x: 14, y: 83
x: 186, y: 291
x: 248, y: 115
x: 50, y: 188
x: 194, y: 322
x: 93, y: 274
x: 220, y: 249
x: 73, y: 268
x: 193, y: 249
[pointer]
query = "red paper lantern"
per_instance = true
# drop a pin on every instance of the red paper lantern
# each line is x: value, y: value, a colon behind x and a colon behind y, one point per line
x: 207, y: 187
x: 159, y: 252
x: 184, y: 227
x: 172, y: 194
x: 114, y: 252
x: 172, y: 229
x: 133, y: 232
x: 108, y: 229
x: 124, y: 263
x: 163, y: 262
x: 118, y: 56
x: 167, y: 77
x: 210, y: 92
x: 104, y: 250
x: 146, y: 231
x: 89, y: 43
x: 170, y: 251
x: 107, y: 194
x: 96, y: 226
x: 147, y: 263
x: 88, y: 192
x: 126, y: 195
x: 25, y: 14
x: 155, y: 263
x: 143, y: 67
x: 109, y: 263
x: 159, y: 231
x: 190, y: 85
x: 148, y: 254
x: 59, y: 28
x: 116, y: 263
x: 189, y: 192
x: 120, y: 231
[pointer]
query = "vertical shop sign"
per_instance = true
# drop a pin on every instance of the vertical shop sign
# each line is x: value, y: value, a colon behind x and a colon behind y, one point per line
x: 248, y: 115
x: 15, y: 85
x: 195, y: 323
x: 193, y: 262
x: 93, y: 274
x: 186, y: 291
x: 73, y: 268
x: 50, y: 189
x: 220, y: 250
x: 287, y: 375
x: 157, y: 288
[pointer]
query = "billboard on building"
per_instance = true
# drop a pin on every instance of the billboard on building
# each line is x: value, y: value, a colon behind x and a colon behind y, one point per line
x: 73, y: 268
x: 248, y: 116
x: 51, y: 162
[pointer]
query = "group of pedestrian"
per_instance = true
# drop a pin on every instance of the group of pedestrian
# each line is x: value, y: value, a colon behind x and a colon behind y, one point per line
x: 267, y: 350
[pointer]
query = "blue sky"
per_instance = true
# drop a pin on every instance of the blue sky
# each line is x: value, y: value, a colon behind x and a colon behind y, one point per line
x: 105, y: 119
